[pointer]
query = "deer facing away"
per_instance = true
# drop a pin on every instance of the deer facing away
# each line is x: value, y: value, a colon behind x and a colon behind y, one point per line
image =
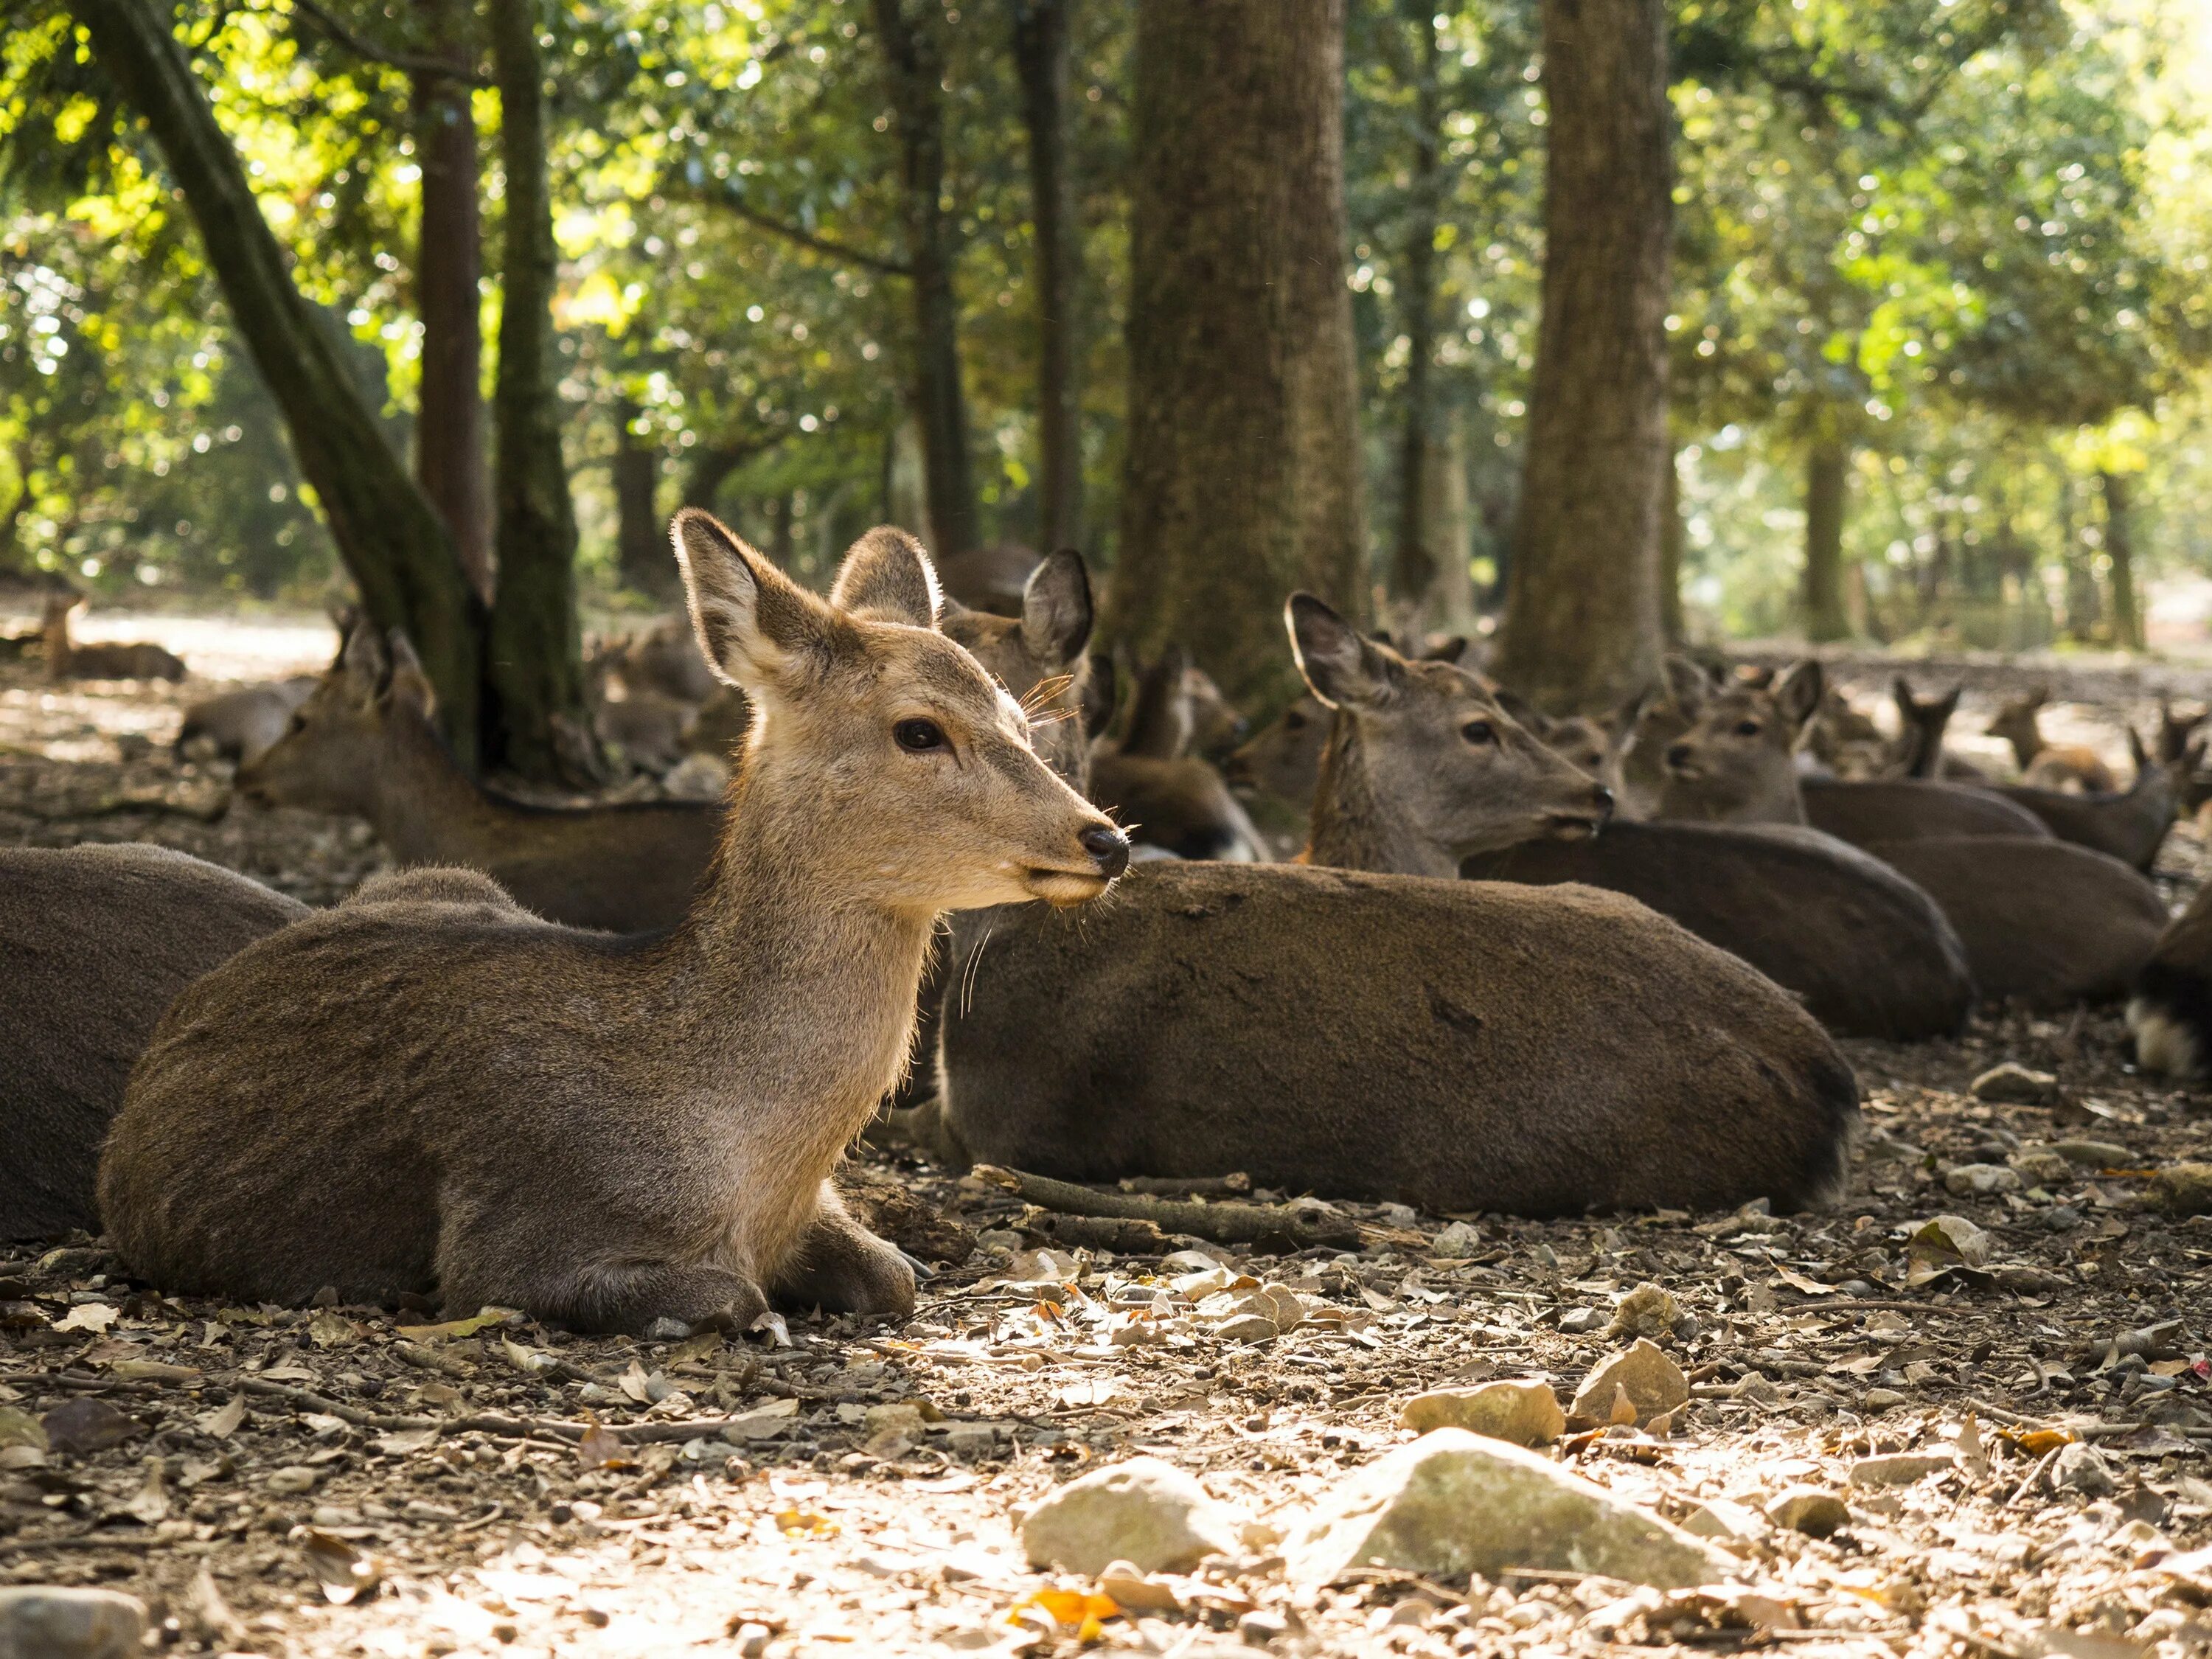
x: 427, y: 1087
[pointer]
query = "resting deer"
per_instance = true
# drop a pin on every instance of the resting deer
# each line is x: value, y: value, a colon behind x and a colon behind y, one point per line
x: 366, y: 743
x: 2170, y: 1013
x: 239, y: 726
x: 1166, y: 797
x: 429, y: 1088
x: 2042, y: 920
x: 2042, y: 766
x: 1460, y: 1045
x: 2131, y: 824
x: 69, y: 660
x: 96, y: 942
x: 1921, y: 724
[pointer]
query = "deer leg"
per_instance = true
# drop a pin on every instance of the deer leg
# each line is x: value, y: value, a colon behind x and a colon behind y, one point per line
x: 839, y: 1266
x: 585, y: 1294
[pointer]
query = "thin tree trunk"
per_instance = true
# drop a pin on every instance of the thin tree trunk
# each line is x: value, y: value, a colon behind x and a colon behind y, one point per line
x: 1041, y: 51
x: 911, y: 51
x: 396, y: 547
x: 449, y: 427
x: 1826, y: 475
x: 1581, y: 623
x: 641, y: 552
x: 536, y: 674
x: 2120, y: 548
x: 782, y: 530
x: 1242, y: 477
x: 1414, y: 560
x: 1674, y: 541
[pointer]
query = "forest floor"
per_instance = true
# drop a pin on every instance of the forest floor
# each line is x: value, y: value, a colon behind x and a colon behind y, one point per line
x: 352, y: 1481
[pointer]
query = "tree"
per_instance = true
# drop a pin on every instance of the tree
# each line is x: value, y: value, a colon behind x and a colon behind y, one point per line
x: 1416, y: 560
x: 1827, y: 474
x: 1583, y: 613
x: 1041, y: 54
x: 1242, y: 477
x: 2120, y: 548
x: 392, y: 539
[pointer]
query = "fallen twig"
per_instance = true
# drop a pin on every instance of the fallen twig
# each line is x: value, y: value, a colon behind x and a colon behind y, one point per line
x: 1224, y: 1223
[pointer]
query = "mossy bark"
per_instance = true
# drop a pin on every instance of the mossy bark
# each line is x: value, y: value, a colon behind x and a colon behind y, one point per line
x: 1827, y: 478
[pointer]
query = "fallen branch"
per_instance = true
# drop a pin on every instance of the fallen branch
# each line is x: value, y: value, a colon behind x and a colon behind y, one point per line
x: 1122, y: 1234
x: 1278, y: 1226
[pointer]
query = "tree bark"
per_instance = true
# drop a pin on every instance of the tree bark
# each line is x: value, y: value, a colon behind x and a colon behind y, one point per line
x: 396, y: 547
x: 1583, y: 615
x: 1674, y: 541
x: 1242, y: 479
x: 1414, y: 561
x: 641, y: 552
x: 1041, y: 50
x: 535, y: 672
x: 917, y: 64
x: 449, y: 426
x: 2120, y: 548
x: 1827, y: 473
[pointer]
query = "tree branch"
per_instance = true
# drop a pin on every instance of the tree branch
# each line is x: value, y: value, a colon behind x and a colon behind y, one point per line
x: 729, y: 197
x: 411, y: 62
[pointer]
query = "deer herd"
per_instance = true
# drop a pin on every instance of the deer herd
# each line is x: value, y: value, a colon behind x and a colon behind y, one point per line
x: 600, y: 1063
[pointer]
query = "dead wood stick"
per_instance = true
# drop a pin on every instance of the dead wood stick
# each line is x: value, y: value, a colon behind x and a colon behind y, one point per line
x: 1224, y: 1223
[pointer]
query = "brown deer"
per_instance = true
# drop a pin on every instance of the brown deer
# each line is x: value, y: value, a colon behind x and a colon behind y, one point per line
x: 1918, y: 751
x: 2042, y: 920
x: 96, y: 942
x: 2170, y: 1010
x: 2131, y: 824
x: 241, y: 725
x: 429, y: 1089
x: 67, y: 661
x: 2066, y: 768
x: 365, y: 744
x: 1165, y: 796
x: 1457, y: 1044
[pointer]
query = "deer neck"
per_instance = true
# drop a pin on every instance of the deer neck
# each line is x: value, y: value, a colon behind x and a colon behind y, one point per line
x: 2026, y: 746
x: 1356, y: 825
x: 422, y: 805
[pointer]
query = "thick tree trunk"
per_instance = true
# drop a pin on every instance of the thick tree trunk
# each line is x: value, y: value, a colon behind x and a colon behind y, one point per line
x: 1827, y: 473
x: 449, y: 426
x: 1581, y: 623
x: 1242, y: 480
x: 1414, y: 563
x: 1040, y: 31
x: 535, y: 672
x: 392, y: 541
x: 916, y: 64
x: 2120, y: 548
x: 1674, y: 541
x: 641, y: 552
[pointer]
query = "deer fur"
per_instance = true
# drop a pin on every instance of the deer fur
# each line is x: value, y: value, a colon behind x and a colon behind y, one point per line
x: 96, y: 942
x: 1165, y: 796
x: 366, y: 743
x: 2042, y: 766
x: 242, y: 724
x: 2129, y: 824
x: 2170, y: 1013
x: 428, y: 1087
x: 67, y: 661
x: 1865, y: 811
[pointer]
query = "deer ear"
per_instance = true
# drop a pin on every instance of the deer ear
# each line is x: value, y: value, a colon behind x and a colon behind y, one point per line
x: 1685, y: 684
x: 1341, y: 665
x: 1056, y: 609
x: 1798, y: 693
x: 886, y: 577
x: 2135, y: 749
x: 754, y: 624
x: 408, y: 687
x: 362, y: 662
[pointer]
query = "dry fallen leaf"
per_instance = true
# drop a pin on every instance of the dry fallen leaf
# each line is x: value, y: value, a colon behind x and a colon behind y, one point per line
x: 600, y: 1448
x: 457, y: 1328
x: 150, y: 1504
x: 346, y: 1574
x: 93, y: 1316
x: 330, y: 1330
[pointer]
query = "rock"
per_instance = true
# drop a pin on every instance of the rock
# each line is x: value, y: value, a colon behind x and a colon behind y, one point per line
x: 1452, y: 1502
x: 2014, y: 1084
x: 1810, y: 1510
x: 891, y: 1430
x: 1981, y: 1179
x: 1900, y: 1469
x: 2095, y: 1154
x: 292, y: 1480
x: 2041, y: 1165
x: 1525, y: 1414
x: 1655, y: 1385
x: 2183, y: 1189
x: 1146, y: 1512
x: 1578, y: 1321
x: 45, y: 1621
x: 1727, y: 1521
x: 1248, y: 1328
x: 1457, y: 1242
x: 2082, y: 1469
x: 1647, y: 1311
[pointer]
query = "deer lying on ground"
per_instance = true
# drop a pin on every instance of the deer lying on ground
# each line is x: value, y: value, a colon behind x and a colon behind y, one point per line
x: 67, y: 661
x: 429, y: 1088
x: 1460, y: 1045
x: 239, y: 726
x: 1921, y: 724
x: 1165, y: 796
x: 2130, y: 824
x: 2042, y: 766
x: 365, y: 744
x: 2170, y: 1012
x: 2042, y: 920
x: 96, y: 942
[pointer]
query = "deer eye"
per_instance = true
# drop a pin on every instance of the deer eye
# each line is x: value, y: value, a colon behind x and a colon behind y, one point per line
x: 1294, y: 721
x: 1479, y: 733
x: 1746, y: 728
x: 918, y: 736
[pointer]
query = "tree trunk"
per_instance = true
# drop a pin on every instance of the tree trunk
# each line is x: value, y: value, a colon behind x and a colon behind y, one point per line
x: 536, y: 674
x: 1674, y: 541
x: 641, y: 552
x: 390, y: 536
x: 2120, y: 548
x: 1827, y: 474
x: 916, y: 62
x: 449, y: 426
x: 1040, y: 31
x: 906, y: 477
x: 1414, y: 561
x: 1242, y: 480
x: 1582, y: 621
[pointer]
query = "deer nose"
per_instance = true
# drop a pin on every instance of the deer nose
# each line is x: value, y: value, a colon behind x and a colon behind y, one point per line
x: 1108, y: 849
x: 1601, y: 798
x: 1678, y: 754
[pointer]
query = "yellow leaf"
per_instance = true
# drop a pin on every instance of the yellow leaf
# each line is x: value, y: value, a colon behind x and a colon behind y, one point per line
x: 1082, y: 1611
x: 453, y: 1328
x: 804, y: 1523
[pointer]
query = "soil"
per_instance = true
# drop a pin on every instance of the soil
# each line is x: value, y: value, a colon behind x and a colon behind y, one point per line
x: 351, y: 1481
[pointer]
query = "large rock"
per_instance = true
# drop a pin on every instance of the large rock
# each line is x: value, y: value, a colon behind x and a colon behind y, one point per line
x: 44, y: 1622
x: 1655, y: 1385
x: 1452, y: 1502
x: 1526, y: 1413
x: 1146, y: 1512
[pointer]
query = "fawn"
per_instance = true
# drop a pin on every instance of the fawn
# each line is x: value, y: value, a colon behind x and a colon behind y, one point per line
x: 67, y: 661
x: 428, y: 1087
x: 2068, y: 767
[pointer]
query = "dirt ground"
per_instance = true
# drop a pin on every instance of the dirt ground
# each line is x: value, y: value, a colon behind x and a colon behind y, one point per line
x: 355, y: 1481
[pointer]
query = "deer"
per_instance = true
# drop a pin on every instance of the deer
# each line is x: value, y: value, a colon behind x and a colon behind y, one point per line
x: 2043, y: 921
x: 1918, y: 751
x: 1454, y: 1044
x: 2170, y: 1005
x: 428, y: 1090
x: 2066, y: 768
x: 1167, y: 797
x: 96, y: 943
x: 67, y: 661
x: 242, y: 724
x: 366, y: 743
x: 2131, y: 824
